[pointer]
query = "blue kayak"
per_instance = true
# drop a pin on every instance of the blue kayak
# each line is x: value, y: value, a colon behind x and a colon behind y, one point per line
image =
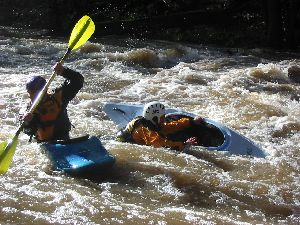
x: 79, y: 156
x: 214, y: 136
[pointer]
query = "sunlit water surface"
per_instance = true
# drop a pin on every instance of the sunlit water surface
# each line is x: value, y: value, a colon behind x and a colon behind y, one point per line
x: 248, y: 91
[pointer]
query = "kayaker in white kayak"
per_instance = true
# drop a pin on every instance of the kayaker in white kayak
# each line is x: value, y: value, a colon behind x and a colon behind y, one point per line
x: 51, y: 121
x: 153, y: 130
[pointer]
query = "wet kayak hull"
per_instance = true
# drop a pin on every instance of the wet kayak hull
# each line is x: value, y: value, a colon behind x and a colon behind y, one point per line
x: 80, y: 156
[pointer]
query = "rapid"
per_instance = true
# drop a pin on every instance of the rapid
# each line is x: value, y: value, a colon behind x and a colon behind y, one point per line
x: 247, y: 90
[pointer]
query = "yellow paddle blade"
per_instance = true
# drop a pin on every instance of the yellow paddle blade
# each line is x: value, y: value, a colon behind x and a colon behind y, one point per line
x: 7, y: 151
x: 82, y: 31
x: 2, y: 147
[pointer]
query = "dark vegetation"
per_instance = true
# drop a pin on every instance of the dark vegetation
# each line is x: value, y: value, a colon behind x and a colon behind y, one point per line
x: 231, y: 23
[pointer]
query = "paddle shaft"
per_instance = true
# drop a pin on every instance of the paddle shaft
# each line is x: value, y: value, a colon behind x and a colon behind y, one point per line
x: 41, y: 94
x: 70, y: 48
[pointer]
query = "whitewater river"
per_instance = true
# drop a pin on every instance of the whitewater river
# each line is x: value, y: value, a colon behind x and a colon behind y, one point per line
x: 248, y: 91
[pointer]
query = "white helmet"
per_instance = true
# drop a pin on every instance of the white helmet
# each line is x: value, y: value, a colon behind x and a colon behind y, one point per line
x: 153, y: 111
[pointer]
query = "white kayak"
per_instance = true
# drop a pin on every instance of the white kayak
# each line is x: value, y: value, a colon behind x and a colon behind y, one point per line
x: 222, y: 137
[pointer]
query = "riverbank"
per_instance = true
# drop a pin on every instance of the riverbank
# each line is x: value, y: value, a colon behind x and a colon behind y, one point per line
x: 222, y: 23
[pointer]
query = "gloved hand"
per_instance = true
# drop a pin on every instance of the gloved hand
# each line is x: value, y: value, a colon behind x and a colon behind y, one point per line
x: 58, y: 68
x: 191, y: 141
x: 30, y: 123
x: 27, y: 117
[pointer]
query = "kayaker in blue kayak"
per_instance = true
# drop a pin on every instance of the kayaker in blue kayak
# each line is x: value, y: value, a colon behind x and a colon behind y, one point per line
x: 50, y: 121
x: 152, y: 129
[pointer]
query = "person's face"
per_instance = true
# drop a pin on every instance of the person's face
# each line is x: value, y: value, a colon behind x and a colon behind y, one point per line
x: 162, y: 120
x: 32, y: 94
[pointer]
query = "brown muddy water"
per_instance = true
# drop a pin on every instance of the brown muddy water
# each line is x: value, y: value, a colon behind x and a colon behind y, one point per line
x: 247, y: 90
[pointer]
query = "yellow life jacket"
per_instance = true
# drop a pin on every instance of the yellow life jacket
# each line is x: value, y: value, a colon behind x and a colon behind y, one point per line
x: 49, y: 111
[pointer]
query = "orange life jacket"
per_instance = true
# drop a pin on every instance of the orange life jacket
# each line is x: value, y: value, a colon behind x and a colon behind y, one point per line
x: 49, y: 111
x: 134, y: 133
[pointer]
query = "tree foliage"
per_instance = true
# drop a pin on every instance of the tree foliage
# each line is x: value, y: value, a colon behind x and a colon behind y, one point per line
x: 274, y: 23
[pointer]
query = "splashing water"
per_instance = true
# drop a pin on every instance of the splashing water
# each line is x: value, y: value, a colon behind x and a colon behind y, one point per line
x: 246, y: 90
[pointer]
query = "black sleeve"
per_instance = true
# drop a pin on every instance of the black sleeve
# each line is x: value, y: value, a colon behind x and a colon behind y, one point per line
x: 72, y: 85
